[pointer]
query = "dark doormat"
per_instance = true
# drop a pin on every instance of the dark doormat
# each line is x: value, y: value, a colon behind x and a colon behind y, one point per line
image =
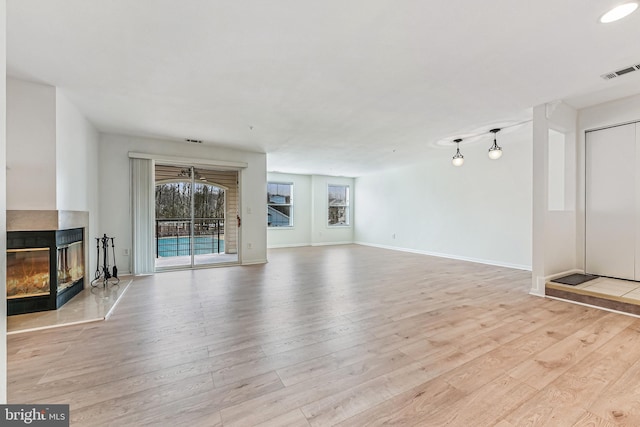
x: 574, y: 279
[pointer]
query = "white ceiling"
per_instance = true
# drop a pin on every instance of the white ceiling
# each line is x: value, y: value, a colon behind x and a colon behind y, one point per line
x: 331, y: 87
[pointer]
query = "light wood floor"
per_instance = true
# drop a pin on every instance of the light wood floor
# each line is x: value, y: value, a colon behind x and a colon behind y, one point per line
x: 346, y: 335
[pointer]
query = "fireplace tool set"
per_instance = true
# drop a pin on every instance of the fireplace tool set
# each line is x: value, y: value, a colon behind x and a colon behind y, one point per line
x: 103, y: 273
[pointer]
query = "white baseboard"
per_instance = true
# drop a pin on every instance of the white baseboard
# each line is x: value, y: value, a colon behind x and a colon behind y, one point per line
x: 301, y: 245
x: 332, y: 243
x: 449, y: 256
x: 291, y: 245
x: 254, y: 262
x: 538, y: 286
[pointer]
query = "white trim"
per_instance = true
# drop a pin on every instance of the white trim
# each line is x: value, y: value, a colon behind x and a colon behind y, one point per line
x: 449, y: 256
x: 332, y: 243
x: 222, y: 164
x: 292, y: 245
x: 260, y: 261
x: 347, y: 206
x: 538, y: 287
x: 611, y: 126
x: 292, y: 211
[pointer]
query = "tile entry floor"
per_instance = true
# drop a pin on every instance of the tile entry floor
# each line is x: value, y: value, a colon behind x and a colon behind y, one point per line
x: 611, y: 287
x: 626, y: 291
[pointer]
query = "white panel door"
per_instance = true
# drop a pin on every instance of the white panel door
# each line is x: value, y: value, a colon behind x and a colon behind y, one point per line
x: 611, y: 202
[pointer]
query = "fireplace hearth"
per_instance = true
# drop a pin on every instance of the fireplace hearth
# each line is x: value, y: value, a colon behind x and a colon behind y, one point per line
x: 45, y: 269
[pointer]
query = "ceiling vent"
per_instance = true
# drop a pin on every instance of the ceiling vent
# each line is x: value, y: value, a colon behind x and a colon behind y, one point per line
x: 194, y: 141
x: 621, y: 72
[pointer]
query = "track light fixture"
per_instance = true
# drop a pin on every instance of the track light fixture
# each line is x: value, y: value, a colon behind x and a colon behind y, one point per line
x: 458, y: 159
x: 495, y: 152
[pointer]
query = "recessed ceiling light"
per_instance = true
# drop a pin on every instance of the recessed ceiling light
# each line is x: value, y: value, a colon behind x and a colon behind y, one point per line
x: 619, y: 12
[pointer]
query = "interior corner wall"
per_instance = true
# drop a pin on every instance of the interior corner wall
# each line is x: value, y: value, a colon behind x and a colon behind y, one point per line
x: 77, y: 166
x: 31, y: 146
x: 3, y: 204
x: 300, y: 233
x: 554, y: 231
x: 115, y: 186
x: 620, y: 111
x: 310, y: 212
x: 479, y: 212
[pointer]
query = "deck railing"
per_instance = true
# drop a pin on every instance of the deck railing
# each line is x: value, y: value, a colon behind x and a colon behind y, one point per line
x: 173, y: 236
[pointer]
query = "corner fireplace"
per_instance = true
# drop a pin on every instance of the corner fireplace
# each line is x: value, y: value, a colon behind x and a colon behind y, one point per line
x: 45, y: 269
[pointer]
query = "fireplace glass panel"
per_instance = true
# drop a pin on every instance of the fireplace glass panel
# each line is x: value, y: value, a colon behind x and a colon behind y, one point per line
x: 70, y: 265
x: 27, y: 272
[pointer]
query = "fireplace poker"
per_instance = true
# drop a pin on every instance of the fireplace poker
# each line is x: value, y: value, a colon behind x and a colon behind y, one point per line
x: 115, y: 267
x: 97, y: 259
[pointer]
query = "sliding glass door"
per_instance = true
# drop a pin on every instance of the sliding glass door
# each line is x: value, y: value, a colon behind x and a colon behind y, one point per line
x: 192, y: 206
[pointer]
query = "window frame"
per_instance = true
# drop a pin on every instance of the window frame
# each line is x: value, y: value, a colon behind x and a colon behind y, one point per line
x: 290, y: 204
x: 347, y: 206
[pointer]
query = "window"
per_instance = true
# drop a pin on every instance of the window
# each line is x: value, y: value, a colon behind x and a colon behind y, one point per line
x: 338, y: 205
x: 279, y: 204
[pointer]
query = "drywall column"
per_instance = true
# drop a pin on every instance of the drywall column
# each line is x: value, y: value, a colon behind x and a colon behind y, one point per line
x: 540, y: 147
x: 555, y: 224
x: 3, y: 203
x: 31, y: 132
x: 76, y: 168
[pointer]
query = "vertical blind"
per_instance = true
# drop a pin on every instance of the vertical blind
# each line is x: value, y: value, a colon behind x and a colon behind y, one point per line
x: 143, y: 212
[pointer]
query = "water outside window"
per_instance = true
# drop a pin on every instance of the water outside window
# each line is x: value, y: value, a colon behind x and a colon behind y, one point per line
x: 191, y: 209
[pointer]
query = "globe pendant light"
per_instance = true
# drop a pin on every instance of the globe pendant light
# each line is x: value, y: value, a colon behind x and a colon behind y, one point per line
x: 458, y: 159
x: 495, y: 152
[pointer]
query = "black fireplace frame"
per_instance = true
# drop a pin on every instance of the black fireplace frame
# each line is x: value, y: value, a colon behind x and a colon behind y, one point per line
x: 52, y: 239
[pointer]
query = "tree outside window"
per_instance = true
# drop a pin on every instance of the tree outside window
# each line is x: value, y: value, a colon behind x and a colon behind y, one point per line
x: 279, y: 204
x: 338, y: 205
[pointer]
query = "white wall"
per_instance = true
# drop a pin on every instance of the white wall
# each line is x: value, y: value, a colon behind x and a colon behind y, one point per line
x: 480, y: 211
x: 610, y: 113
x: 76, y: 157
x: 31, y: 148
x: 76, y: 163
x: 554, y: 231
x: 115, y: 185
x: 300, y: 233
x: 311, y: 205
x: 3, y: 205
